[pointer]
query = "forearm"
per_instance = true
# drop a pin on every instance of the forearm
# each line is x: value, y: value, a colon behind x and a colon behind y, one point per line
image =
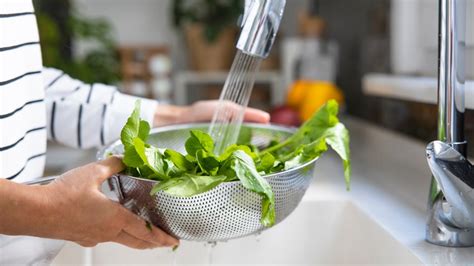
x: 87, y: 115
x: 23, y: 210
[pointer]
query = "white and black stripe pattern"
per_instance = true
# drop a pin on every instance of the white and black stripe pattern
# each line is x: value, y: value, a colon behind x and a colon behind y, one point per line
x: 84, y: 115
x: 22, y: 104
x: 36, y: 103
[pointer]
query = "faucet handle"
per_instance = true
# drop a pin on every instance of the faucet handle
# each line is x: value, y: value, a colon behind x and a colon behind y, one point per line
x: 455, y: 175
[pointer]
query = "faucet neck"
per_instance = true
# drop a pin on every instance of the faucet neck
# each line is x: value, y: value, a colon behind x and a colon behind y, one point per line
x: 450, y: 220
x: 451, y: 77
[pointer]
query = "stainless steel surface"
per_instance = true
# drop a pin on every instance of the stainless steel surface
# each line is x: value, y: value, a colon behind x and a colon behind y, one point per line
x: 449, y: 219
x: 226, y: 212
x: 260, y: 24
x: 451, y: 72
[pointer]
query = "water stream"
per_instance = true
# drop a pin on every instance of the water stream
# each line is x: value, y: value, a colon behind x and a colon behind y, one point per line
x: 234, y: 98
x: 210, y: 251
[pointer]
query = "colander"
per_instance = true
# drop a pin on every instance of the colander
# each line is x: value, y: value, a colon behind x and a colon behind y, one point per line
x: 226, y: 212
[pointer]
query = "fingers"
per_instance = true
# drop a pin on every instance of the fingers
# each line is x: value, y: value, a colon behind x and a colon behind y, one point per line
x: 250, y: 115
x: 255, y: 115
x: 106, y: 168
x: 130, y: 241
x: 137, y: 227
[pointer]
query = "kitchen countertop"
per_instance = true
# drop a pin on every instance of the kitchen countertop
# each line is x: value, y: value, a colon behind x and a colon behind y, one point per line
x: 390, y: 183
x: 410, y: 88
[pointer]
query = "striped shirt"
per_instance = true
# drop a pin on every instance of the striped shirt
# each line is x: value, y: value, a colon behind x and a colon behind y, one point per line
x: 38, y: 103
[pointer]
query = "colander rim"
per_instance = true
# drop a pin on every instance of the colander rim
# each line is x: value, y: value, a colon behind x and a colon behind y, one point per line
x: 101, y: 152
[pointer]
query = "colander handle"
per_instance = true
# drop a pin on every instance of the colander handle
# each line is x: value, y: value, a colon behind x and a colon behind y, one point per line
x: 116, y: 187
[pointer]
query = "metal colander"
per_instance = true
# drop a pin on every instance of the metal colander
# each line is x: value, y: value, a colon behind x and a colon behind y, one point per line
x: 225, y: 212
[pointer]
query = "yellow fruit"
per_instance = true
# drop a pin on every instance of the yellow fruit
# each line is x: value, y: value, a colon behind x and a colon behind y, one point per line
x: 308, y: 96
x: 297, y: 93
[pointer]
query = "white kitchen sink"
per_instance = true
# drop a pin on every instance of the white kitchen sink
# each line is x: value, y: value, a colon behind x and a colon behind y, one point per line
x: 318, y: 232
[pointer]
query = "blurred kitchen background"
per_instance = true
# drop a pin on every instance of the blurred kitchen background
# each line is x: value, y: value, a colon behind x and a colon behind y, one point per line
x: 378, y: 57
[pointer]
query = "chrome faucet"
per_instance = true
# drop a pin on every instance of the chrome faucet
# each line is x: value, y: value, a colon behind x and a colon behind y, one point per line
x: 260, y: 24
x: 451, y: 203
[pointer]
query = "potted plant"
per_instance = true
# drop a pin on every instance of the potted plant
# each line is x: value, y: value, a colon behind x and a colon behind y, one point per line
x: 60, y: 25
x: 210, y: 30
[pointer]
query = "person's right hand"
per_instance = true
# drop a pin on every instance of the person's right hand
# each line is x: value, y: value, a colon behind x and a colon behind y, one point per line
x: 79, y: 212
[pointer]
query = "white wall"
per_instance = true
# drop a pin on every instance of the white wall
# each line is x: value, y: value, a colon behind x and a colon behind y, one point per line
x: 414, y: 42
x: 135, y: 21
x: 145, y: 22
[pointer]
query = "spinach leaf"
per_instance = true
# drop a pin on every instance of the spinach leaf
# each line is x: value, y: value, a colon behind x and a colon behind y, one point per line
x: 199, y: 141
x: 306, y: 143
x: 245, y: 170
x: 131, y: 157
x: 338, y: 138
x: 207, y: 162
x: 188, y: 185
x: 234, y: 147
x: 151, y: 157
x: 265, y: 163
x: 179, y: 160
x: 134, y: 128
x: 143, y: 130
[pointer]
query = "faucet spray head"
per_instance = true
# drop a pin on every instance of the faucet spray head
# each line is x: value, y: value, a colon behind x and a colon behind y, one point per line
x: 259, y: 26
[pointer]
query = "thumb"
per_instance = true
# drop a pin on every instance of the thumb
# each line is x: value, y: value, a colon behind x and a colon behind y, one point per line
x: 106, y: 168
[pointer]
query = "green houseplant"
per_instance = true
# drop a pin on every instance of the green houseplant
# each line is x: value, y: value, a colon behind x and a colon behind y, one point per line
x: 60, y: 26
x: 210, y: 30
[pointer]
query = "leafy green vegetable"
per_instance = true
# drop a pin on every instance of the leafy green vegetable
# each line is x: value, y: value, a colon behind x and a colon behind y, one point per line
x: 200, y: 170
x: 322, y: 126
x: 207, y: 162
x: 134, y: 128
x: 188, y: 185
x: 179, y: 160
x: 151, y: 157
x: 266, y: 163
x: 199, y: 141
x: 245, y: 170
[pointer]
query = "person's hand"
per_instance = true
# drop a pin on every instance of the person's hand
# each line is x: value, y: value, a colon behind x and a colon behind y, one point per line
x: 79, y: 212
x: 201, y: 111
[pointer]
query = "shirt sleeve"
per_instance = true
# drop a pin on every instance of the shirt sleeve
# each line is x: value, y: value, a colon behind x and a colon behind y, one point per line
x: 87, y: 115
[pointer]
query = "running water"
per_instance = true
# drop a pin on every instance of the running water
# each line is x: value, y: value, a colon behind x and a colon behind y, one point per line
x: 175, y: 258
x: 234, y: 98
x: 210, y: 251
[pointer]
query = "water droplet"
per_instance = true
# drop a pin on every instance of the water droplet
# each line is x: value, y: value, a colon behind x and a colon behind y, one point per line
x: 210, y: 251
x: 258, y: 236
x: 175, y: 258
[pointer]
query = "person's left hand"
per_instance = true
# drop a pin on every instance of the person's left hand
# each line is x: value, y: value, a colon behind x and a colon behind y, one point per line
x: 201, y: 111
